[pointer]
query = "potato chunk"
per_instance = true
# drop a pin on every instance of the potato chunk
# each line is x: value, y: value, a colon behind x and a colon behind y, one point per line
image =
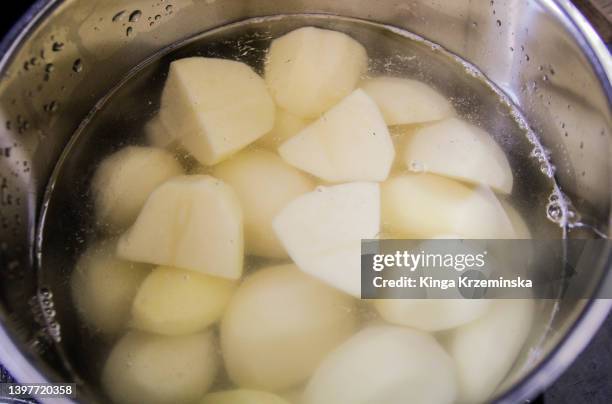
x: 173, y: 301
x: 157, y: 135
x: 279, y: 325
x: 146, y: 368
x: 485, y: 350
x: 215, y: 106
x: 242, y: 396
x: 405, y: 101
x: 190, y: 222
x: 350, y: 142
x: 456, y: 149
x: 286, y: 125
x: 431, y: 314
x: 124, y: 180
x: 384, y: 364
x: 426, y: 205
x: 265, y: 184
x: 103, y: 287
x: 310, y: 69
x: 322, y: 231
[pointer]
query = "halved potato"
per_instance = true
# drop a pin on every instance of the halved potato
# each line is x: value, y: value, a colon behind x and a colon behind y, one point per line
x: 310, y: 69
x: 215, y: 106
x: 350, y: 142
x: 191, y: 222
x: 485, y: 350
x: 406, y: 101
x: 155, y: 369
x: 173, y: 301
x: 124, y: 180
x: 427, y: 205
x: 322, y: 231
x: 286, y: 125
x: 103, y: 287
x: 242, y: 396
x: 265, y: 184
x: 279, y: 326
x: 384, y: 364
x: 456, y: 149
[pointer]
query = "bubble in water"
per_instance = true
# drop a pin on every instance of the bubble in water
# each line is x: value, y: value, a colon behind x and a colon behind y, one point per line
x: 158, y: 17
x: 57, y: 46
x: 49, y: 67
x: 169, y: 8
x: 135, y: 16
x: 527, y: 58
x: 77, y: 66
x: 129, y: 31
x: 499, y: 23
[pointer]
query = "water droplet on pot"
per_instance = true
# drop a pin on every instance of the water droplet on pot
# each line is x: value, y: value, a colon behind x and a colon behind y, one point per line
x: 157, y: 17
x: 118, y: 16
x: 129, y: 31
x: 77, y: 66
x: 49, y: 67
x: 169, y: 8
x: 135, y: 16
x: 57, y: 46
x: 499, y: 23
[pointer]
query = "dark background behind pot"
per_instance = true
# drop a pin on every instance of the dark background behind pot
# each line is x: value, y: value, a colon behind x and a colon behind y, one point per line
x: 589, y: 379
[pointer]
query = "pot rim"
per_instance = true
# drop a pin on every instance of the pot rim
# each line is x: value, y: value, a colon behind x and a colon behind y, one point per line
x: 579, y: 334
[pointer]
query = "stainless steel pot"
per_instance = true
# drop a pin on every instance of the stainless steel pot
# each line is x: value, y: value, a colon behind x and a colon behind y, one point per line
x: 63, y: 56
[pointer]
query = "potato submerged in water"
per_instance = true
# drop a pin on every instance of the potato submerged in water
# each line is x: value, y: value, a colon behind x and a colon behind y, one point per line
x: 384, y: 364
x: 310, y: 69
x: 243, y: 396
x: 265, y: 184
x: 124, y: 180
x: 103, y: 287
x: 215, y: 106
x: 481, y: 364
x: 404, y: 101
x: 322, y: 231
x: 350, y: 142
x: 173, y: 301
x: 427, y: 205
x: 456, y: 149
x: 279, y: 326
x: 191, y: 222
x: 146, y: 368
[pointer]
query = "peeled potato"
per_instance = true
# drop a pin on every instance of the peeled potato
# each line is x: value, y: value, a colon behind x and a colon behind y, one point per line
x: 310, y: 69
x: 456, y: 149
x: 215, y: 106
x: 190, y: 222
x: 123, y: 182
x: 485, y: 350
x: 384, y: 364
x: 285, y: 125
x: 405, y: 101
x: 322, y: 231
x: 242, y: 396
x: 431, y: 314
x: 350, y: 142
x: 157, y: 135
x: 103, y: 287
x: 173, y: 301
x: 279, y: 326
x: 264, y: 184
x: 427, y: 205
x: 146, y: 368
